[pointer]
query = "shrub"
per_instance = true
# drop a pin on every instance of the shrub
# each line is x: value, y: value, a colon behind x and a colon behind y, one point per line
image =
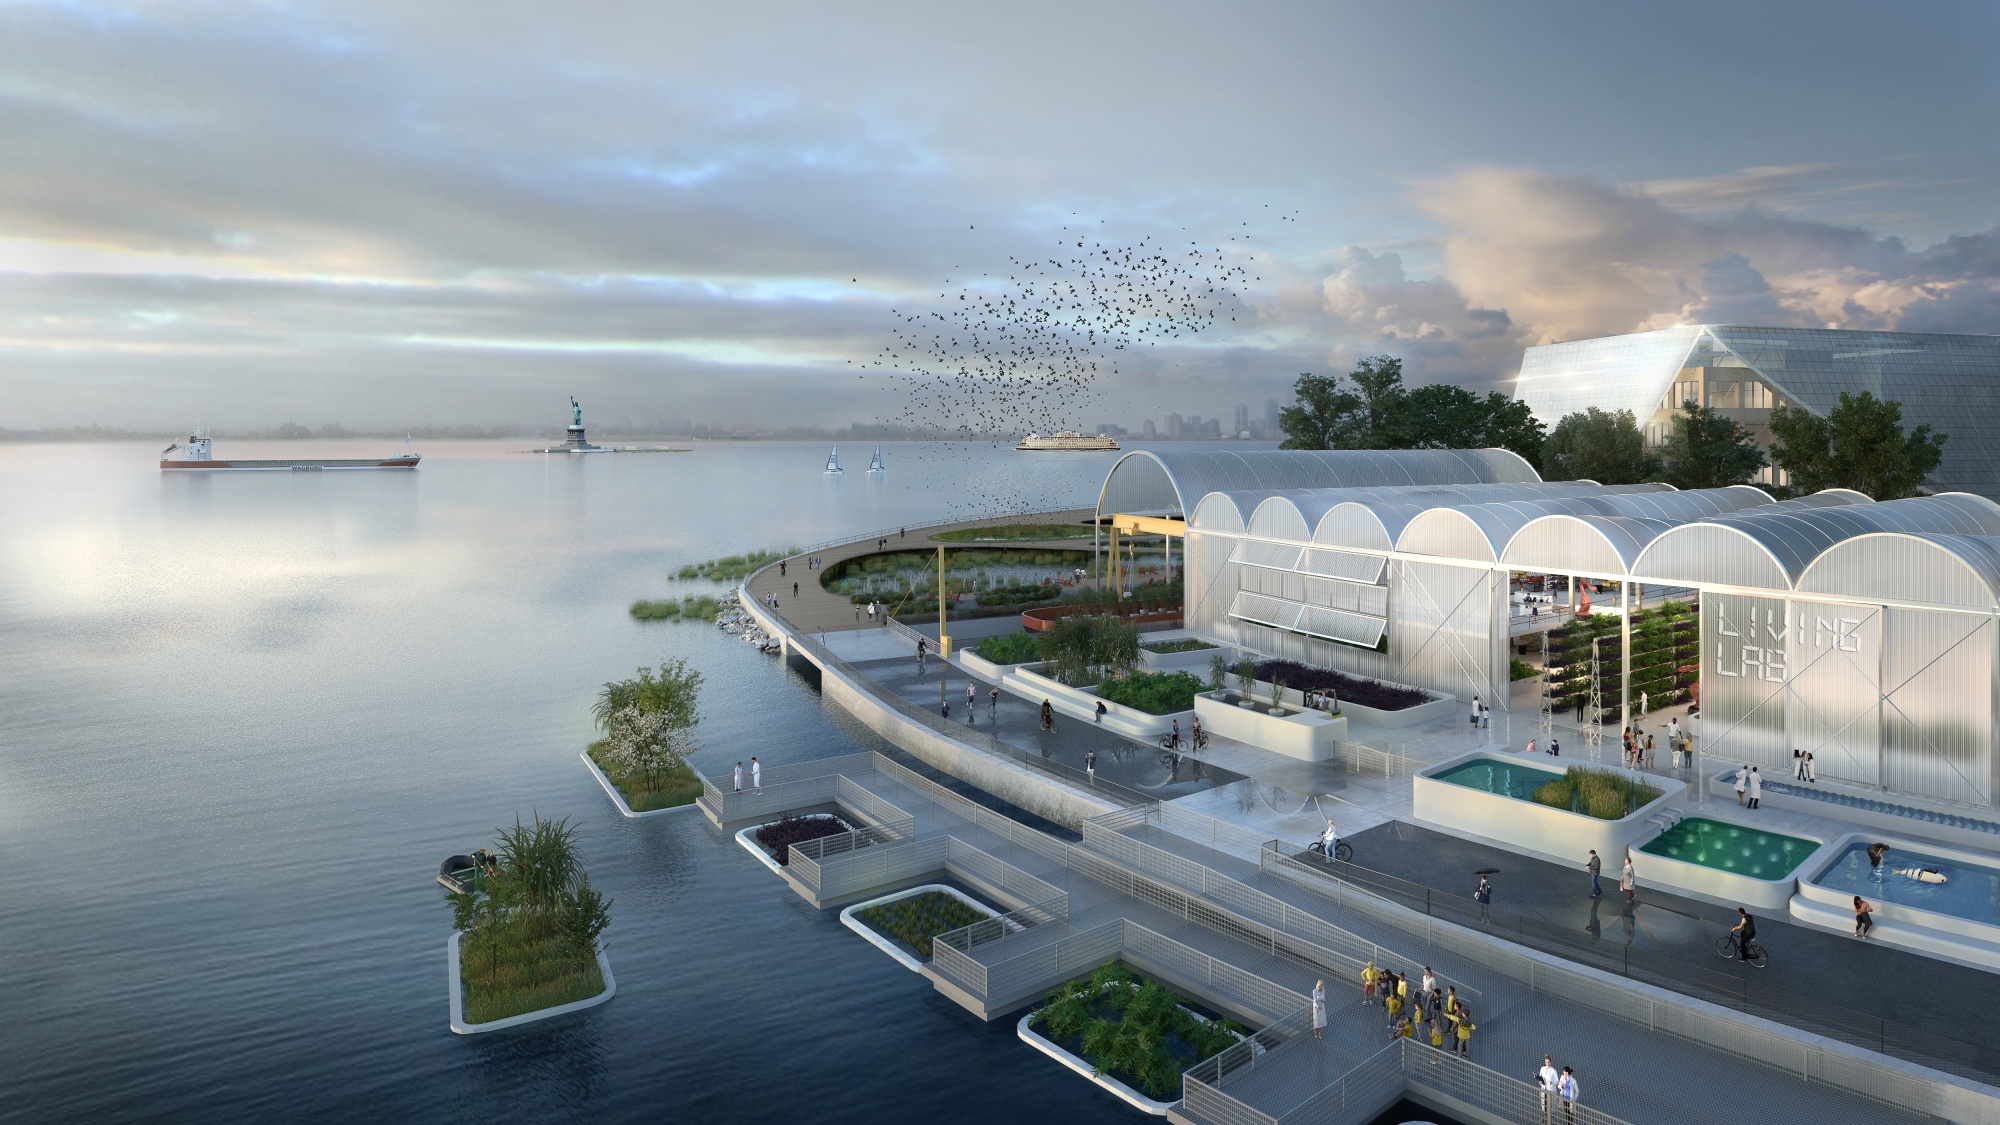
x: 1156, y: 693
x: 1189, y: 644
x: 778, y: 836
x: 1351, y: 689
x: 1519, y: 669
x: 1598, y: 793
x: 733, y: 568
x: 1136, y: 1031
x: 914, y: 921
x: 1010, y: 648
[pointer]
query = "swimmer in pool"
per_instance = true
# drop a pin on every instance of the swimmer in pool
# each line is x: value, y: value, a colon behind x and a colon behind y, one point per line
x: 1922, y: 874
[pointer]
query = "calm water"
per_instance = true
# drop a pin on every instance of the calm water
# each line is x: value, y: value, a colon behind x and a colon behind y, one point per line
x: 1732, y: 847
x: 243, y: 716
x: 1489, y: 775
x: 1969, y: 891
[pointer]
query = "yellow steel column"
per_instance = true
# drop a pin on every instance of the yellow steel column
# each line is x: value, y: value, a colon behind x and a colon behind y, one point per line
x: 944, y: 642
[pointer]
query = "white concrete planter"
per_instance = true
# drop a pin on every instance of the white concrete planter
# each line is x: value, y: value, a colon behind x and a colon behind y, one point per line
x: 461, y: 1027
x: 1308, y: 736
x: 979, y: 667
x: 1194, y: 661
x: 750, y: 845
x: 1439, y: 704
x: 887, y: 945
x: 618, y: 798
x: 1081, y: 703
x: 1118, y: 1089
x: 1885, y: 911
x: 1523, y: 824
x: 1713, y: 883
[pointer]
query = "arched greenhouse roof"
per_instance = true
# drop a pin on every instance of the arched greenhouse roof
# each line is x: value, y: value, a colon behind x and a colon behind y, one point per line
x: 1147, y: 481
x: 1898, y: 566
x: 1772, y: 546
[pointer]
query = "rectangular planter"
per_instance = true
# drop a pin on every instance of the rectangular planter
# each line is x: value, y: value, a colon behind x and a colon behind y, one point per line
x: 1081, y: 703
x: 1195, y: 661
x: 1723, y: 886
x: 1308, y: 736
x: 1557, y: 833
x: 1440, y: 704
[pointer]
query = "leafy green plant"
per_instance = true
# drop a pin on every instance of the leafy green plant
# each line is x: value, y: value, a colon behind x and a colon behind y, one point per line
x: 1187, y: 644
x: 1277, y: 693
x: 1156, y: 693
x: 733, y: 568
x: 1136, y: 1031
x: 694, y: 607
x: 1246, y: 676
x: 1009, y: 648
x: 531, y: 928
x: 1519, y: 669
x: 1218, y: 672
x: 916, y: 920
x: 1599, y: 793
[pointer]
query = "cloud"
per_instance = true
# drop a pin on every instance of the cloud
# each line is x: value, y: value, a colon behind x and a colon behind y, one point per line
x: 1372, y: 306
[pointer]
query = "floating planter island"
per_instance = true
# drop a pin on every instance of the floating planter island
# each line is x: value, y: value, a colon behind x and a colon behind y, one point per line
x: 1492, y: 795
x: 1729, y: 862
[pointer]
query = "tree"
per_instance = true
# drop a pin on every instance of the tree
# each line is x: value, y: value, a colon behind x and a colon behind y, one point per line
x: 581, y: 919
x: 672, y: 691
x: 1511, y: 425
x: 1861, y: 445
x: 1709, y: 450
x: 1447, y: 416
x: 1601, y: 446
x: 1327, y: 415
x: 646, y: 742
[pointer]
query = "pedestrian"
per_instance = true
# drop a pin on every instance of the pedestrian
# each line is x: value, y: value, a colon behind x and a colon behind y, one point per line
x: 1048, y: 716
x: 857, y: 615
x: 1100, y: 712
x: 1627, y: 881
x: 1390, y: 1000
x: 1090, y: 763
x: 1811, y: 776
x: 1436, y: 1005
x: 1451, y: 1005
x: 1369, y: 976
x: 1594, y: 865
x: 1547, y: 1078
x: 1864, y: 917
x: 781, y: 568
x: 1475, y: 710
x: 1742, y: 780
x: 1555, y: 747
x: 1403, y: 990
x: 1649, y: 752
x: 1485, y: 716
x: 1798, y: 764
x: 1875, y: 854
x: 756, y: 773
x: 1756, y: 788
x: 1566, y: 1089
x: 1426, y: 989
x: 970, y: 695
x: 739, y: 777
x: 1582, y: 701
x: 922, y: 647
x: 795, y: 590
x: 1319, y: 1009
x: 1531, y: 747
x: 993, y: 702
x: 1465, y: 1029
x: 1483, y: 895
x: 1642, y: 704
x: 944, y: 708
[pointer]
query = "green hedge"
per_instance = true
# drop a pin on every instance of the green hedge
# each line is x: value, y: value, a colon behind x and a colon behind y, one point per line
x: 1010, y: 648
x: 1156, y: 693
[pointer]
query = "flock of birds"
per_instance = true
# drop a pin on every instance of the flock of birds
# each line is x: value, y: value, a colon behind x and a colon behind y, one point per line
x: 1031, y: 352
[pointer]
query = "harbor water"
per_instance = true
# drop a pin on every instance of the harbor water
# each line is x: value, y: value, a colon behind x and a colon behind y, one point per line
x: 243, y: 716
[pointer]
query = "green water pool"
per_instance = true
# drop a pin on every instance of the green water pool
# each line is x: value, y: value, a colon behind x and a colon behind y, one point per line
x: 1492, y: 775
x: 1732, y: 847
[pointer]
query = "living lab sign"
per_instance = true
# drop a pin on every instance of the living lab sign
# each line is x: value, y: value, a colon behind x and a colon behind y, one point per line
x: 1765, y: 639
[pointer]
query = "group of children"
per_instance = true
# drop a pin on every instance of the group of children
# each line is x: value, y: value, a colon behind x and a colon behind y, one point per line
x: 1424, y: 1012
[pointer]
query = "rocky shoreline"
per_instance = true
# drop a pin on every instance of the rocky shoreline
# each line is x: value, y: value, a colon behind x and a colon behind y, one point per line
x: 737, y: 622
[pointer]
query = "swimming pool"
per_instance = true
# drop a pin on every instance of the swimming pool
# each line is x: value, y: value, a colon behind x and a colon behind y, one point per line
x: 1971, y: 889
x: 1497, y: 776
x: 1735, y: 848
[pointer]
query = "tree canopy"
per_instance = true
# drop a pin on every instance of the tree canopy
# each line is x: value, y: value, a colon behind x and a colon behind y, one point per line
x: 671, y: 692
x: 1378, y: 412
x: 1601, y: 446
x: 1860, y: 445
x: 1709, y: 450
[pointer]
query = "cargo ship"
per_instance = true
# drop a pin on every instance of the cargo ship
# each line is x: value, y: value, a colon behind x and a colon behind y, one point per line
x: 1066, y: 439
x: 197, y: 456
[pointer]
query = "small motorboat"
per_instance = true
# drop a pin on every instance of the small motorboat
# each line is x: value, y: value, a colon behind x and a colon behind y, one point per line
x: 458, y: 873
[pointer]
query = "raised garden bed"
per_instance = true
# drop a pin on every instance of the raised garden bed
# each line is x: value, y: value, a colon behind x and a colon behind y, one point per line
x: 1134, y: 1032
x: 1351, y: 689
x: 1010, y: 648
x: 1156, y: 693
x: 778, y: 836
x: 903, y: 924
x: 667, y: 789
x: 1186, y: 644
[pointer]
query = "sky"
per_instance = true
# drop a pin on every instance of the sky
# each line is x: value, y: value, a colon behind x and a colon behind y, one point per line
x: 388, y: 214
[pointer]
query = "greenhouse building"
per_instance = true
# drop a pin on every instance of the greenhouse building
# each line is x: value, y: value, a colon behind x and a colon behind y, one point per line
x: 1862, y: 632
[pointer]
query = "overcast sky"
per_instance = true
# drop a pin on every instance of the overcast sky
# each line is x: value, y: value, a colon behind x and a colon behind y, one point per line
x: 386, y: 214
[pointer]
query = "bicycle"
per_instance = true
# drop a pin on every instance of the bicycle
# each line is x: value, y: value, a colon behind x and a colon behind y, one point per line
x: 1170, y: 747
x: 1725, y: 948
x: 1342, y: 851
x: 1200, y: 741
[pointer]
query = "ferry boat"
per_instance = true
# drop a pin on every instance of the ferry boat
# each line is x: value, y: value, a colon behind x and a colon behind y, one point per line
x: 1067, y: 439
x: 833, y: 461
x: 197, y: 456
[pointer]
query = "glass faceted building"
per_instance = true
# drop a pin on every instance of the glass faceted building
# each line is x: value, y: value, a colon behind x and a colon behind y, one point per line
x: 1950, y: 382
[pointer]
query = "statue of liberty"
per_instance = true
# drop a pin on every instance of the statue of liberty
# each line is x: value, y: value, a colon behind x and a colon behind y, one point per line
x: 576, y: 412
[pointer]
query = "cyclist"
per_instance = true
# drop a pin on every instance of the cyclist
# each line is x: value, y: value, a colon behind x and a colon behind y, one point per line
x: 1745, y: 930
x: 1200, y: 739
x: 1177, y: 733
x: 1330, y: 839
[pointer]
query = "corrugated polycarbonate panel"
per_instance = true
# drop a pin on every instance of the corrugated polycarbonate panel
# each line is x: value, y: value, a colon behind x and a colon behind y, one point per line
x: 1209, y: 583
x: 1630, y: 372
x: 1743, y: 673
x: 1341, y: 564
x: 1265, y: 611
x: 1217, y: 511
x: 1357, y: 597
x: 1278, y: 556
x: 1339, y: 625
x: 1938, y: 569
x: 1371, y: 525
x: 1448, y: 533
x: 1449, y: 630
x: 1279, y: 517
x: 1175, y: 480
x: 1699, y: 554
x: 1570, y: 544
x: 1833, y: 662
x: 1938, y: 704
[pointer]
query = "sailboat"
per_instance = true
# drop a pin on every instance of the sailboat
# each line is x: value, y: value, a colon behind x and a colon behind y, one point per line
x: 833, y: 461
x: 875, y: 465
